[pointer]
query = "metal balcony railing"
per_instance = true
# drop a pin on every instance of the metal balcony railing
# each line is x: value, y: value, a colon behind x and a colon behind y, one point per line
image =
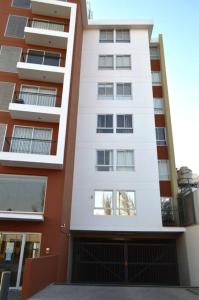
x: 170, y: 217
x: 43, y: 58
x: 47, y: 25
x: 38, y: 99
x: 27, y: 145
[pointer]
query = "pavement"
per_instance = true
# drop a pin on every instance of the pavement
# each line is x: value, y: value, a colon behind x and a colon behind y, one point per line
x: 78, y: 292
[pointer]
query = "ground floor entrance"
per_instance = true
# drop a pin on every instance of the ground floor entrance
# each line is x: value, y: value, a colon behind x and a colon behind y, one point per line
x: 14, y: 249
x: 138, y: 262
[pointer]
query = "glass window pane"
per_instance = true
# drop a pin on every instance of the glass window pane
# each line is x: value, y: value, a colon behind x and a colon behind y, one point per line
x: 100, y: 157
x: 51, y: 59
x: 125, y: 160
x: 103, y: 203
x: 21, y: 3
x: 16, y: 25
x: 127, y: 89
x: 154, y: 52
x: 128, y: 121
x: 160, y: 136
x: 21, y: 140
x: 35, y: 57
x: 120, y: 121
x: 164, y: 171
x: 120, y: 89
x: 126, y: 203
x: 158, y: 105
x: 109, y: 121
x: 41, y: 142
x: 106, y: 35
x: 22, y: 193
x: 104, y: 160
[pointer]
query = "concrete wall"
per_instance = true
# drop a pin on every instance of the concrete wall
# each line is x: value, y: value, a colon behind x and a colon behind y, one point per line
x: 192, y: 246
x: 145, y: 179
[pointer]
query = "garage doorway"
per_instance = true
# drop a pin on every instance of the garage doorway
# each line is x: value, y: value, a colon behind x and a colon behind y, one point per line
x: 150, y: 262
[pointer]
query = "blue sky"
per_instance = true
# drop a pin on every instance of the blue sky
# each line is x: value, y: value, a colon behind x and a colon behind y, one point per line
x: 178, y: 21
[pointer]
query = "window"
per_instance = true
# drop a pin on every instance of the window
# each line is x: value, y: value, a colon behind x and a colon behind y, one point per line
x: 156, y: 78
x: 34, y: 95
x: 124, y: 90
x: 126, y: 203
x: 6, y: 94
x: 3, y: 128
x: 9, y: 56
x: 104, y: 160
x: 21, y: 3
x: 154, y: 52
x: 22, y: 193
x: 106, y: 36
x: 125, y: 160
x: 31, y: 140
x: 123, y: 62
x: 124, y: 124
x: 43, y: 58
x: 158, y: 106
x: 105, y: 91
x: 105, y: 124
x: 164, y: 172
x: 122, y: 36
x: 15, y: 26
x: 103, y: 203
x: 106, y: 62
x: 160, y: 136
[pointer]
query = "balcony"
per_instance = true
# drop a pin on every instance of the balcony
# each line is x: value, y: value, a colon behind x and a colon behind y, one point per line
x: 35, y: 107
x: 30, y: 152
x: 46, y: 33
x: 41, y: 66
x: 170, y: 217
x: 53, y: 8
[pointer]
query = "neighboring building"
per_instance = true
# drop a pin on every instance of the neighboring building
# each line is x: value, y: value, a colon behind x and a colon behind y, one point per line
x: 58, y: 71
x: 39, y: 78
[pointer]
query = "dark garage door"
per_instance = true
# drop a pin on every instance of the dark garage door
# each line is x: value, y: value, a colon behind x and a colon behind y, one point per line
x: 127, y: 262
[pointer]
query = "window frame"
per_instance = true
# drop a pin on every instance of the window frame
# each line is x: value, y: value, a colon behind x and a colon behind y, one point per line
x: 122, y: 40
x: 39, y: 87
x: 160, y: 142
x: 105, y: 128
x: 20, y: 7
x: 13, y: 93
x: 125, y: 168
x: 124, y: 97
x: 99, y: 97
x: 43, y: 57
x: 159, y: 82
x: 105, y: 68
x: 105, y: 167
x: 158, y: 111
x: 118, y: 209
x: 101, y: 208
x: 33, y: 127
x: 164, y: 177
x: 157, y: 55
x: 45, y: 193
x: 124, y: 129
x: 122, y: 67
x: 12, y: 36
x: 106, y: 40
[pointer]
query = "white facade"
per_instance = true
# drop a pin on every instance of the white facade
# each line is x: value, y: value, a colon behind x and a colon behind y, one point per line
x: 144, y: 180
